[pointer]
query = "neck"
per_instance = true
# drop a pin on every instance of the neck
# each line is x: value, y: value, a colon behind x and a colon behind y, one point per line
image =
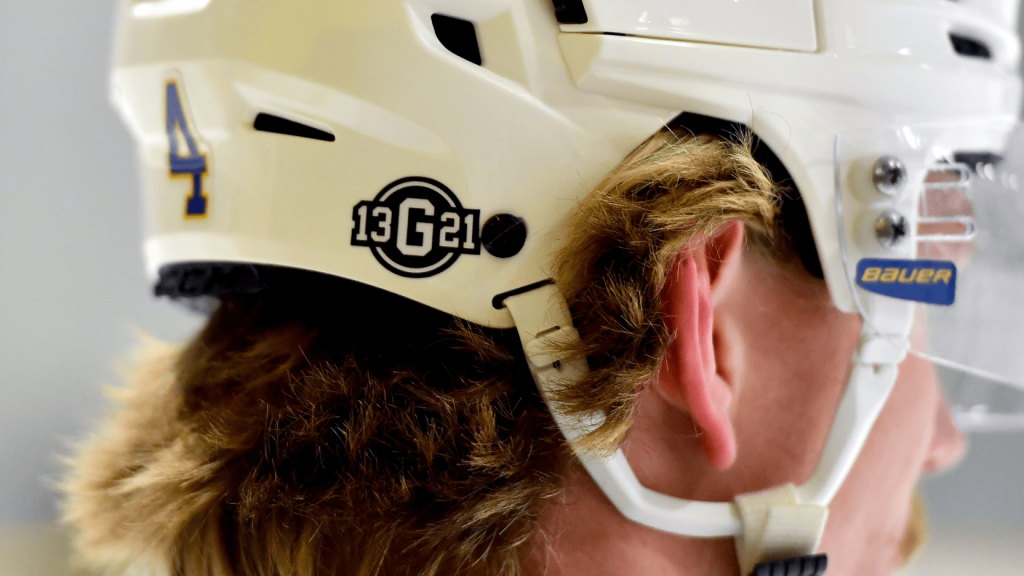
x: 580, y: 532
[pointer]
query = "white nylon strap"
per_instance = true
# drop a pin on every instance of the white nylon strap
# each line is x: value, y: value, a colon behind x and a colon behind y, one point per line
x: 543, y: 321
x: 776, y: 526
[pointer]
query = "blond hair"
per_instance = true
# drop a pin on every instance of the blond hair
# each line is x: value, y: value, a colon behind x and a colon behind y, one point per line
x: 290, y: 438
x: 622, y: 241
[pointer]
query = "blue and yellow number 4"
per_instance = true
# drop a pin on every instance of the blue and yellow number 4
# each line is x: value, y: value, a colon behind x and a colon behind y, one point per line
x: 186, y: 160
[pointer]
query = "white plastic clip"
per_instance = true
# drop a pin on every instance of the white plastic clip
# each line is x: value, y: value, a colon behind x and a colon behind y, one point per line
x: 882, y: 349
x: 776, y: 526
x: 541, y: 351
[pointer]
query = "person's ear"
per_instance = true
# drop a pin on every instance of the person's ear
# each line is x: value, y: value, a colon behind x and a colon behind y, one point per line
x: 689, y: 377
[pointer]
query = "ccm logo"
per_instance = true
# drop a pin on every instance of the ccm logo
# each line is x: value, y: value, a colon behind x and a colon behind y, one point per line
x: 416, y: 227
x: 907, y: 276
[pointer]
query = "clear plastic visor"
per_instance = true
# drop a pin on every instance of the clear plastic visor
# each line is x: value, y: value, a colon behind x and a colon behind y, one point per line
x: 932, y: 228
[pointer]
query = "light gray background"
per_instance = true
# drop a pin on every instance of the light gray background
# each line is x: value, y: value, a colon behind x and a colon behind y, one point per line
x: 72, y: 289
x: 71, y: 283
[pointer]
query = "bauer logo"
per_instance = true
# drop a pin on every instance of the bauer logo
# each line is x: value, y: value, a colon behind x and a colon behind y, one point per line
x: 416, y: 227
x: 929, y: 281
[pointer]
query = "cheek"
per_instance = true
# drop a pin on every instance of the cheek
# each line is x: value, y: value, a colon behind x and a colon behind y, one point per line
x: 796, y: 350
x: 796, y: 361
x: 868, y: 518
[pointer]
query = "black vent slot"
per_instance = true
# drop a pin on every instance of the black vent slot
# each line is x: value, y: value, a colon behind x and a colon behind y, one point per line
x: 970, y: 47
x: 458, y: 36
x: 278, y: 125
x: 977, y: 160
x: 570, y: 11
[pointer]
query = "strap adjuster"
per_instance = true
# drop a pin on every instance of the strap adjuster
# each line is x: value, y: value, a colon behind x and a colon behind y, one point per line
x: 800, y: 566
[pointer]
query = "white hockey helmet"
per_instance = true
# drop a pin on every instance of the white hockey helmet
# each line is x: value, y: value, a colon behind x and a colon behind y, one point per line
x: 436, y: 148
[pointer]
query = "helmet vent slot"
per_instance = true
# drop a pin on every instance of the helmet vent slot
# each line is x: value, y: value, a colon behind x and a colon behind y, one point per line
x: 970, y: 47
x: 570, y: 11
x: 270, y: 123
x: 458, y: 36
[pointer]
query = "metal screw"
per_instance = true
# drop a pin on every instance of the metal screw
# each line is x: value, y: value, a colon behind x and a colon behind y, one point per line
x: 891, y: 228
x: 889, y: 175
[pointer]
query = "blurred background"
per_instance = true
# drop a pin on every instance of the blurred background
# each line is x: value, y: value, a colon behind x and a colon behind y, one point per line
x: 73, y: 298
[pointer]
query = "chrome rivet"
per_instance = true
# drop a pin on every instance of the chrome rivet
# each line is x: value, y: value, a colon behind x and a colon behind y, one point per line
x: 889, y: 175
x: 891, y: 228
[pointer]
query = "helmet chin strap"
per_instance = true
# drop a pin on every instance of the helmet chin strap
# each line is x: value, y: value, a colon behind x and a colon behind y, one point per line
x: 775, y: 529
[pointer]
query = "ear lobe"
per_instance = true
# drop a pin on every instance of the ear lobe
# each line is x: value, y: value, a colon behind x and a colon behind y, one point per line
x: 689, y: 377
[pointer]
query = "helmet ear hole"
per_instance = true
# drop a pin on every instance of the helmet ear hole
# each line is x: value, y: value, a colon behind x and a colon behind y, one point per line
x: 793, y: 220
x: 458, y: 36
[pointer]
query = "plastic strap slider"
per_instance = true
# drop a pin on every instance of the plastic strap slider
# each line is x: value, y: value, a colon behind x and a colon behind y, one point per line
x: 543, y: 350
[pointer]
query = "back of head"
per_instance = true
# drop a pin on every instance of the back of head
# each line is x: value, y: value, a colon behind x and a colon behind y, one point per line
x: 320, y: 426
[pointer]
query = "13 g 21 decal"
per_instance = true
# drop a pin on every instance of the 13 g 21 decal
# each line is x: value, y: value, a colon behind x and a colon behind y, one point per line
x: 416, y: 227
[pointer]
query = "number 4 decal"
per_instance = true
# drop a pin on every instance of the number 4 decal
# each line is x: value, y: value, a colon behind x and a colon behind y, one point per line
x: 186, y: 160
